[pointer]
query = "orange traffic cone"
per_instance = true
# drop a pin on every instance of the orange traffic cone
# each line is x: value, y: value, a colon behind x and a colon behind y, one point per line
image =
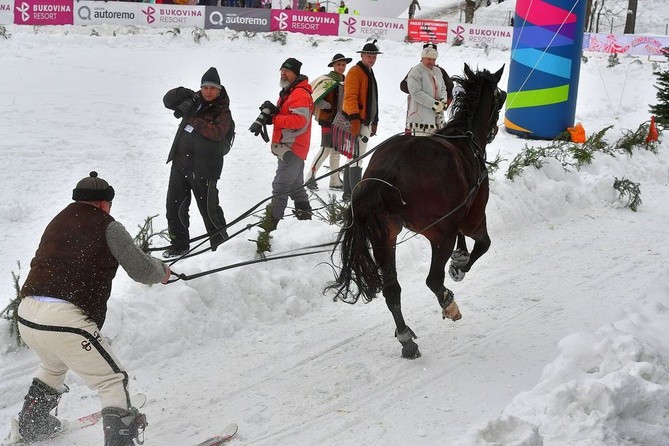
x: 652, y: 131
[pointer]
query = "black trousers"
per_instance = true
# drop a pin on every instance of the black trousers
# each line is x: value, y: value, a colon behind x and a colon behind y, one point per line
x: 178, y: 201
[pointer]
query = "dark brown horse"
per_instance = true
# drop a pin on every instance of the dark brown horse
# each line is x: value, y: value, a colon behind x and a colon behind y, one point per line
x: 436, y: 186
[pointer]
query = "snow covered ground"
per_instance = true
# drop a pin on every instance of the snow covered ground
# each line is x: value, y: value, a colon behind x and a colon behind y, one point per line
x: 565, y: 332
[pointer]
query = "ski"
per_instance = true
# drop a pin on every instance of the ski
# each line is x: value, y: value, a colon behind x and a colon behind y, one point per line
x: 226, y: 435
x: 14, y: 438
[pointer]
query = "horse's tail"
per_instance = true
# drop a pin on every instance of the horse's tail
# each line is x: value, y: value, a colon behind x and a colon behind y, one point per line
x: 374, y: 205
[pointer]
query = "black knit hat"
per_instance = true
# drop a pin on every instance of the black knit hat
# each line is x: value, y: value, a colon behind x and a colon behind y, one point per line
x: 93, y: 188
x: 293, y: 65
x: 337, y: 57
x: 211, y: 78
x: 370, y: 48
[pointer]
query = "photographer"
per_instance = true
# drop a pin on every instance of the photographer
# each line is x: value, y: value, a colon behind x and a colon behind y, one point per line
x: 291, y: 137
x: 197, y: 152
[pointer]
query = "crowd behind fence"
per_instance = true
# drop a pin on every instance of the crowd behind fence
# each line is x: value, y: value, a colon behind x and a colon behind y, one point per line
x: 250, y: 19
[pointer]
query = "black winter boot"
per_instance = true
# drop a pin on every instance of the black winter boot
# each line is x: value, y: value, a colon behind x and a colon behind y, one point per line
x: 303, y: 210
x: 346, y: 196
x: 218, y: 239
x: 35, y: 421
x: 122, y: 426
x: 354, y: 177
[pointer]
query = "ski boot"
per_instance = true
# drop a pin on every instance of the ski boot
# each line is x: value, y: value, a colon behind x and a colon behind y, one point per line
x: 122, y: 426
x: 35, y: 421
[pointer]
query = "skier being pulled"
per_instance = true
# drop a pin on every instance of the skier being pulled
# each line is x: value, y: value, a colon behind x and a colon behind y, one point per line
x: 64, y: 308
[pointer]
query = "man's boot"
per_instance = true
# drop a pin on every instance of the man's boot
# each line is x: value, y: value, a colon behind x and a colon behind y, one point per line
x: 303, y: 210
x: 335, y: 181
x: 122, y: 426
x: 218, y: 238
x: 354, y: 177
x: 35, y: 421
x: 346, y: 196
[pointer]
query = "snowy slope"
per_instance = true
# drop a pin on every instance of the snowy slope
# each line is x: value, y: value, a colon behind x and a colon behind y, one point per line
x: 564, y: 332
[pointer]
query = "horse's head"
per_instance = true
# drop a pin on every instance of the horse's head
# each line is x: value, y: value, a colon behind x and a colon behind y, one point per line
x: 479, y: 105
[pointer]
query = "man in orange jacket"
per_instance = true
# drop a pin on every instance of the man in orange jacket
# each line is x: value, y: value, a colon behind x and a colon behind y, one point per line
x: 361, y: 108
x: 291, y: 138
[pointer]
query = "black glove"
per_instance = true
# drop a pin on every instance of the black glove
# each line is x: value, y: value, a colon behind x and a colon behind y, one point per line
x: 269, y: 109
x: 187, y: 107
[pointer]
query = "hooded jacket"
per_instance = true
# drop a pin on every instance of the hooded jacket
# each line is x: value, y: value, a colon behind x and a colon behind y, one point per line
x: 292, y: 124
x: 200, y: 151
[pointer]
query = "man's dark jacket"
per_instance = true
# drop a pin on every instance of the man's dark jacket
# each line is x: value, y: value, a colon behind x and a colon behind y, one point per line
x: 201, y: 151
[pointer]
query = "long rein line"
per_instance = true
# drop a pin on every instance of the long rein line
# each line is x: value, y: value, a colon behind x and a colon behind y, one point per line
x: 193, y: 252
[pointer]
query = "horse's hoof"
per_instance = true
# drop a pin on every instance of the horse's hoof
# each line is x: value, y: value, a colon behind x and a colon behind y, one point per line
x: 459, y: 257
x: 452, y: 312
x: 456, y: 274
x: 410, y: 351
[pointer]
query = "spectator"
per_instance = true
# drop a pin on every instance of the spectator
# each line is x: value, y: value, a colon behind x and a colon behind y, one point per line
x: 291, y: 137
x: 361, y: 108
x: 326, y: 110
x: 429, y: 94
x: 412, y: 8
x: 65, y: 306
x: 343, y: 9
x: 199, y: 146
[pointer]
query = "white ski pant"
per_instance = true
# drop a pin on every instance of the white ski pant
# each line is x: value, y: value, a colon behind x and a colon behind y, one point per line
x: 64, y: 338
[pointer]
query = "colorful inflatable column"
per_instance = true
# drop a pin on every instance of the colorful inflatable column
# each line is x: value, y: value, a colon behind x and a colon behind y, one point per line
x: 545, y: 65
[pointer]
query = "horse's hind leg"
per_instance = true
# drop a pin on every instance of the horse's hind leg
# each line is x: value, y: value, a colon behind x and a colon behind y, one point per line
x: 441, y: 252
x: 392, y: 292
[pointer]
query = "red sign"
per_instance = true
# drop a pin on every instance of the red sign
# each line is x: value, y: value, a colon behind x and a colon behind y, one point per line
x: 43, y: 12
x: 428, y: 31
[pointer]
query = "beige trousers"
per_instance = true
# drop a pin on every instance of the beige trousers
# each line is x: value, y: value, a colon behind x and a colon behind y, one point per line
x: 64, y: 338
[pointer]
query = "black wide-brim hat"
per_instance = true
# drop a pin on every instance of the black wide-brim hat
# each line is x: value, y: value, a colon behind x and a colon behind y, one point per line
x: 370, y: 48
x: 338, y: 57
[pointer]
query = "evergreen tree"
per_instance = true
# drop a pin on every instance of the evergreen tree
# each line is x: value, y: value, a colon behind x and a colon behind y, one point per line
x: 661, y: 109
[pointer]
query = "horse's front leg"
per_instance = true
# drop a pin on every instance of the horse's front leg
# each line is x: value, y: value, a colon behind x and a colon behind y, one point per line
x: 441, y: 252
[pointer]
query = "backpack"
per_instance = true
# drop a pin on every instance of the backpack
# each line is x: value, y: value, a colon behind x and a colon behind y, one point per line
x: 229, y: 138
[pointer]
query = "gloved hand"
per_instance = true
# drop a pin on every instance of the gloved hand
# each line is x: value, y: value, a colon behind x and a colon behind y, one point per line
x: 374, y: 125
x: 438, y: 106
x: 323, y: 104
x: 355, y: 126
x: 269, y: 109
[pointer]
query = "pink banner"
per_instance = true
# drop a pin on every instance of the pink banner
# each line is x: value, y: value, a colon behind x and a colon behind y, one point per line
x: 626, y: 44
x: 43, y: 12
x: 305, y: 22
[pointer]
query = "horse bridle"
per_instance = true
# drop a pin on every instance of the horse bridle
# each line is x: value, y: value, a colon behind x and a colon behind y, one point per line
x: 499, y: 99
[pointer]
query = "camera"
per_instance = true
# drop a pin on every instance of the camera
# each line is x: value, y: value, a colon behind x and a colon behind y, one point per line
x: 267, y: 110
x: 187, y: 106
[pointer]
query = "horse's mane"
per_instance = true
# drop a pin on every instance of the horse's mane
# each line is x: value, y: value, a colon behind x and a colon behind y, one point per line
x: 464, y: 104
